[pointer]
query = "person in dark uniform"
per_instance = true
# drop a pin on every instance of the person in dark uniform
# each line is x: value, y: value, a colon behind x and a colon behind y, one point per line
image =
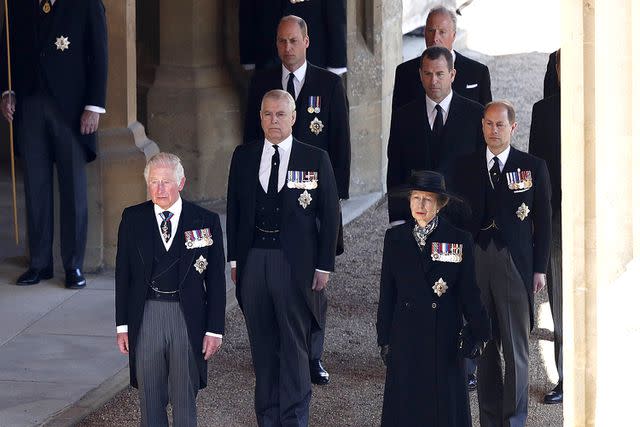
x: 59, y: 72
x: 510, y: 198
x: 427, y: 285
x: 322, y: 121
x: 170, y: 294
x: 327, y: 20
x: 431, y: 131
x: 282, y: 229
x: 472, y: 78
x: 544, y: 142
x: 551, y: 77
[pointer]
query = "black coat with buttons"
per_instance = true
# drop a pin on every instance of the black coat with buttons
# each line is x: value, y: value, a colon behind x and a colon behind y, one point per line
x: 426, y: 381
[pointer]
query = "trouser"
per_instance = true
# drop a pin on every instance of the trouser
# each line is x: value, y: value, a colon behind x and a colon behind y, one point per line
x: 554, y: 288
x: 166, y: 369
x: 503, y: 403
x: 44, y: 138
x: 278, y: 323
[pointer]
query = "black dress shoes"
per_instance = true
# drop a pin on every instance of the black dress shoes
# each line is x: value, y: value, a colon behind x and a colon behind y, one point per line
x: 472, y: 382
x: 318, y: 375
x: 34, y: 275
x: 554, y: 396
x: 74, y: 279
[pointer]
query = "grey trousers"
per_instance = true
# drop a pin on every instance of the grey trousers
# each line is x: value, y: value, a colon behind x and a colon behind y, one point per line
x: 503, y: 403
x: 554, y: 288
x: 165, y: 366
x: 278, y: 323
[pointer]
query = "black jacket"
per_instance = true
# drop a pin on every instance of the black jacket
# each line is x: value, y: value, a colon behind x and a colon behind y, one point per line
x: 335, y: 137
x: 472, y: 81
x: 308, y: 235
x: 544, y: 142
x: 528, y: 240
x: 75, y: 77
x: 551, y: 82
x: 202, y: 295
x: 412, y: 145
x: 426, y: 380
x: 326, y: 21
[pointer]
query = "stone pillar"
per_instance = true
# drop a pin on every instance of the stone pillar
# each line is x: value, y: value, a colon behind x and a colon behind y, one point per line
x: 600, y: 190
x: 116, y: 177
x: 375, y: 49
x: 193, y: 108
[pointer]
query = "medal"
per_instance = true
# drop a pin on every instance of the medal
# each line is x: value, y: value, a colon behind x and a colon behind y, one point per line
x: 314, y: 105
x: 302, y: 180
x: 440, y: 287
x: 519, y: 180
x: 316, y: 126
x: 446, y: 252
x: 304, y: 199
x: 201, y: 264
x: 62, y: 43
x: 198, y: 238
x: 46, y: 6
x: 522, y: 211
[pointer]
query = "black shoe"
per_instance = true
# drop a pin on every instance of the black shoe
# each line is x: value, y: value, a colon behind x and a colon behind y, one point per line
x: 74, y: 279
x: 318, y: 375
x: 34, y: 275
x: 554, y: 396
x: 472, y: 382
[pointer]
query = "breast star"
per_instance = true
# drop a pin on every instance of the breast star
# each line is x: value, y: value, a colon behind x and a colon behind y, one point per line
x: 62, y: 43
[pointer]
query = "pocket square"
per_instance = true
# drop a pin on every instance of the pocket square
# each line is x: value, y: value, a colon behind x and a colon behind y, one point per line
x: 472, y: 86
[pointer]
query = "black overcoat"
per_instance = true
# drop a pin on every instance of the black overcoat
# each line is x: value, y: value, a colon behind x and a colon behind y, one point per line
x: 426, y: 381
x: 202, y: 295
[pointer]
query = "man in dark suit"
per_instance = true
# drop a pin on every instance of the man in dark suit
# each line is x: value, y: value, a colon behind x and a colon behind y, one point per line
x: 432, y: 131
x: 59, y: 71
x: 551, y: 77
x: 327, y: 19
x: 544, y: 142
x: 472, y: 78
x: 322, y: 121
x: 509, y: 194
x: 282, y: 228
x: 170, y: 294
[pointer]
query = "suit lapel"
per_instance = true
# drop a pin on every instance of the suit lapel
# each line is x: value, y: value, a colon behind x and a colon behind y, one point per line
x: 57, y: 13
x: 149, y: 226
x: 293, y: 161
x: 309, y: 80
x: 187, y: 222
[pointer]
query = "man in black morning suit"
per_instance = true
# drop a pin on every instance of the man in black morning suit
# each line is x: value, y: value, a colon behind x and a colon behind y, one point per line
x: 544, y: 142
x: 282, y: 228
x: 430, y: 132
x: 472, y: 78
x: 322, y: 121
x: 59, y: 73
x: 170, y: 294
x: 509, y: 194
x: 327, y: 20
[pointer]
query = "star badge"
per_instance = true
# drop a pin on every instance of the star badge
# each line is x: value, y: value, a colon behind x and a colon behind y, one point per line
x: 522, y: 211
x: 440, y: 287
x: 316, y: 126
x: 201, y: 264
x: 62, y: 43
x: 304, y: 199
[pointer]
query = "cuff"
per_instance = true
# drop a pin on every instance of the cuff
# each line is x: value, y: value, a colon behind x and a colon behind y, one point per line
x: 323, y: 271
x: 249, y: 67
x: 122, y: 329
x: 6, y: 92
x: 95, y: 109
x: 339, y: 71
x: 211, y: 334
x: 398, y: 222
x: 233, y: 264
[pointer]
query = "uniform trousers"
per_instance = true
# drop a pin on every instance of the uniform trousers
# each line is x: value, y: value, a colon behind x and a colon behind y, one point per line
x: 44, y: 138
x: 554, y: 288
x: 503, y: 402
x: 278, y: 323
x: 165, y: 366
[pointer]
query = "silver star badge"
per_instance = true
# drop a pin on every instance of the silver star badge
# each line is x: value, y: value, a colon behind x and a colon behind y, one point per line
x: 62, y: 43
x: 316, y: 126
x: 304, y: 199
x: 201, y: 264
x: 440, y: 287
x: 522, y: 211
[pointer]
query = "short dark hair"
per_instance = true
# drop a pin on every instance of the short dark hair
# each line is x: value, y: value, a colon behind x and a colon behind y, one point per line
x: 511, y: 111
x: 301, y: 23
x: 436, y: 52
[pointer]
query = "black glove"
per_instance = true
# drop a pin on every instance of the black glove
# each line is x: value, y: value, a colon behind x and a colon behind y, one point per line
x: 468, y: 347
x: 385, y: 353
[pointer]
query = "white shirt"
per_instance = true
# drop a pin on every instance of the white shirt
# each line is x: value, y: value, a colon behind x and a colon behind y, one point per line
x: 502, y: 160
x: 284, y: 150
x: 176, y: 210
x: 298, y: 78
x: 431, y: 109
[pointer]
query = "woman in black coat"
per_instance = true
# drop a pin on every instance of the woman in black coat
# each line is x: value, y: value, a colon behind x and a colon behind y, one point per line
x: 427, y: 285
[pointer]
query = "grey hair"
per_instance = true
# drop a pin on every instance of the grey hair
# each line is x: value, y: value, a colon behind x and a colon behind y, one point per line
x: 165, y: 160
x: 511, y: 111
x: 441, y: 10
x: 279, y: 94
x: 296, y: 19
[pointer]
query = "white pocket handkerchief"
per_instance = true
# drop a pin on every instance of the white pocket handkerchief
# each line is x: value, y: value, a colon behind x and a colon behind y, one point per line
x: 472, y: 86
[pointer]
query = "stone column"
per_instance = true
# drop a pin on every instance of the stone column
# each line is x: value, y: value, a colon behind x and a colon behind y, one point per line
x: 116, y: 177
x: 602, y: 329
x: 193, y: 109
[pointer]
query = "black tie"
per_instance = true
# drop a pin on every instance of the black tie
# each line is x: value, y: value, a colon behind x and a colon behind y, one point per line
x: 165, y: 225
x: 290, y: 88
x: 438, y: 123
x: 272, y: 189
x: 495, y: 172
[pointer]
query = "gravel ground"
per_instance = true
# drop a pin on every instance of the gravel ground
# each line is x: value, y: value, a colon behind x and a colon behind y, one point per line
x: 354, y: 396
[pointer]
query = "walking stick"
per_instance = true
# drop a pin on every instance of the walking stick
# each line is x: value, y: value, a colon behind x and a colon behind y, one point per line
x: 13, y: 165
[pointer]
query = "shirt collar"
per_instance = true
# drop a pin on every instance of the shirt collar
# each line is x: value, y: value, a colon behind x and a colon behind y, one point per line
x: 175, y: 209
x: 453, y: 53
x: 299, y: 73
x: 502, y: 156
x: 284, y: 145
x: 445, y: 103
